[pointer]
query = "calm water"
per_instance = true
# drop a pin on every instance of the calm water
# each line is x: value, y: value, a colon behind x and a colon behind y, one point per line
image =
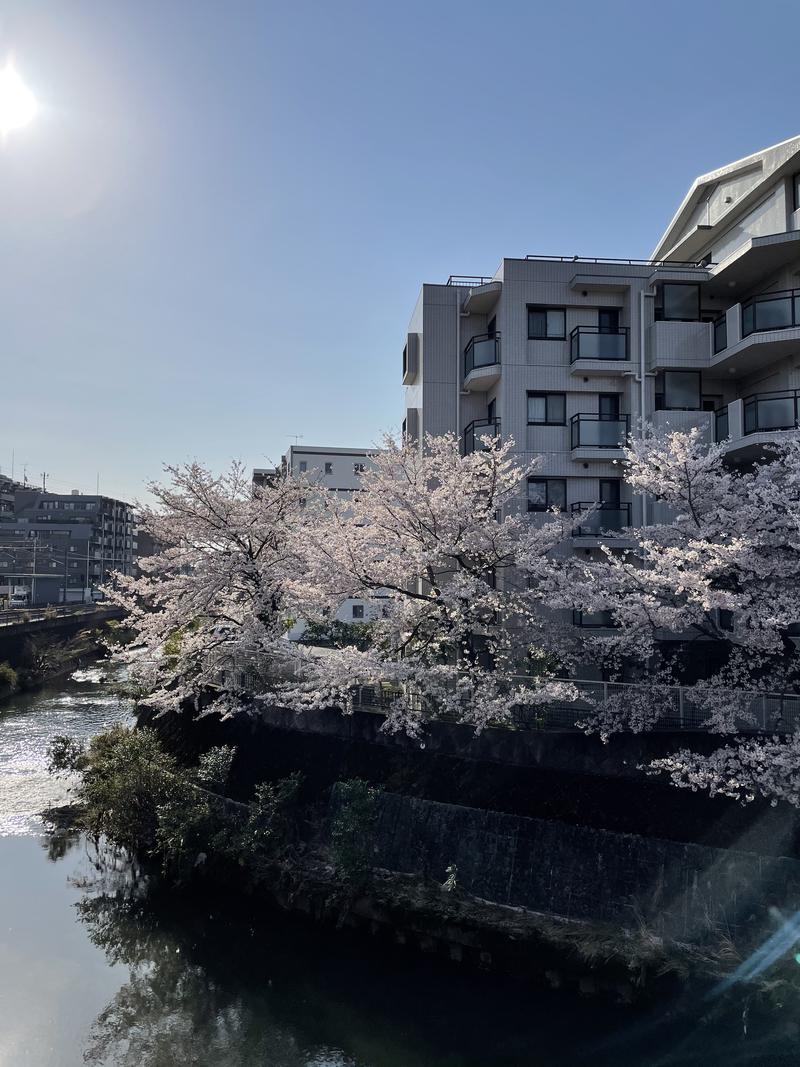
x: 91, y: 972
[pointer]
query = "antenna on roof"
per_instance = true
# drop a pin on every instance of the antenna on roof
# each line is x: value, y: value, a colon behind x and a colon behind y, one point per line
x: 297, y: 437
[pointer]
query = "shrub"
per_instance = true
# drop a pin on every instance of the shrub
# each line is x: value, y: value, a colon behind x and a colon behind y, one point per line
x: 8, y: 679
x: 353, y: 827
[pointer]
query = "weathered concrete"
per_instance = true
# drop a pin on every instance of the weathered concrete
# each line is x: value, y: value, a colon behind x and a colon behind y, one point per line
x: 683, y: 891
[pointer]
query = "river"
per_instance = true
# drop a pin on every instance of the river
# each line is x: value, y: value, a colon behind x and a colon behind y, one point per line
x: 91, y: 972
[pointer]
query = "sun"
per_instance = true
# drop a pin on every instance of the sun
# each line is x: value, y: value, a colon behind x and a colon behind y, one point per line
x: 17, y: 103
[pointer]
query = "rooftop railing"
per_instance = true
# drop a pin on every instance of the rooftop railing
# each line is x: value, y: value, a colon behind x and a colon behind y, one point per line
x: 470, y: 280
x: 676, y: 263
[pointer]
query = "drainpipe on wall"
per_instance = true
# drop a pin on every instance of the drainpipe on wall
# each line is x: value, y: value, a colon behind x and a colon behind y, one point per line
x: 643, y: 295
x: 458, y: 364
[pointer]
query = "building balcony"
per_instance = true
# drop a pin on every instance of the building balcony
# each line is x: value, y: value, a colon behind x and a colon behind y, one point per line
x: 771, y: 311
x: 672, y: 344
x: 594, y: 350
x: 746, y: 426
x: 595, y: 436
x: 482, y: 362
x: 476, y: 431
x: 762, y: 330
x: 606, y: 518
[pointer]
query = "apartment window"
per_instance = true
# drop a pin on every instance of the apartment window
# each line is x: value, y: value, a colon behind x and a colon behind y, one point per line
x: 303, y: 466
x: 678, y: 390
x: 547, y: 324
x: 358, y: 611
x: 358, y: 468
x: 547, y: 409
x: 546, y: 493
x: 329, y: 468
x: 796, y: 191
x: 608, y: 320
x: 680, y: 301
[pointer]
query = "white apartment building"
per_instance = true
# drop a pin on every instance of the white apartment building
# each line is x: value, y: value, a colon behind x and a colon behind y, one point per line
x: 337, y: 470
x: 565, y: 354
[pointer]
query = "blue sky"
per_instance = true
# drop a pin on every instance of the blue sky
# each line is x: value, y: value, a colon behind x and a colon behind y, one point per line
x: 214, y: 233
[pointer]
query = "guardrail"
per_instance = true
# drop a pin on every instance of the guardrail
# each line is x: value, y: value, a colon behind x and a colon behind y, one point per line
x: 676, y: 263
x: 13, y: 616
x: 670, y: 708
x: 680, y: 710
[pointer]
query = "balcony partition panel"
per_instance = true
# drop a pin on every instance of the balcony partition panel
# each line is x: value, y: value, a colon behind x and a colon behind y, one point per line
x: 721, y: 430
x: 720, y: 333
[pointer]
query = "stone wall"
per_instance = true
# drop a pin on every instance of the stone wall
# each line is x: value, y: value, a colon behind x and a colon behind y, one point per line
x: 682, y: 890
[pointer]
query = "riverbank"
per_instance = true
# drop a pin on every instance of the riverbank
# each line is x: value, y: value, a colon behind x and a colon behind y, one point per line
x: 33, y: 662
x: 103, y: 967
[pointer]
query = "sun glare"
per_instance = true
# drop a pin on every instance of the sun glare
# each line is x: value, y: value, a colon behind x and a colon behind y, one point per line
x: 17, y: 103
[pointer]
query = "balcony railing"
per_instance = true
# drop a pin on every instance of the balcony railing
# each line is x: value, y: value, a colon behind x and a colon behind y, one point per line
x: 776, y: 410
x: 721, y: 430
x: 771, y: 311
x: 482, y: 351
x: 598, y: 431
x: 606, y: 518
x: 592, y: 342
x: 478, y: 429
x: 720, y: 333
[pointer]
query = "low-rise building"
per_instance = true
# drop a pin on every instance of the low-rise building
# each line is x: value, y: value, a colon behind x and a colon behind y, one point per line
x: 65, y: 547
x: 338, y: 470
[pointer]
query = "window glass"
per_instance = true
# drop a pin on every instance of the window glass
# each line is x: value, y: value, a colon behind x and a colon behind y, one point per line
x: 547, y: 408
x: 681, y: 301
x: 358, y: 611
x: 796, y: 188
x: 544, y: 493
x: 329, y: 468
x: 546, y: 323
x: 680, y: 390
x: 303, y: 466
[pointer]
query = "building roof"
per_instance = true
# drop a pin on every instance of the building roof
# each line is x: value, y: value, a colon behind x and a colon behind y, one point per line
x: 764, y: 166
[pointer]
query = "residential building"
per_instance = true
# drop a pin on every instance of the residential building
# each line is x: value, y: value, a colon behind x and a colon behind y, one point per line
x: 337, y: 470
x: 566, y: 354
x: 64, y: 547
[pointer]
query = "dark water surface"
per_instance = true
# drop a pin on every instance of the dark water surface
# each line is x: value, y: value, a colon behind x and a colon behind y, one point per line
x: 91, y: 972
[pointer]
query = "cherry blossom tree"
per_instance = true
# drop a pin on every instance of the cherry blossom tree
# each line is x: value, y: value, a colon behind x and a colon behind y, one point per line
x: 710, y: 595
x: 214, y: 595
x: 436, y: 541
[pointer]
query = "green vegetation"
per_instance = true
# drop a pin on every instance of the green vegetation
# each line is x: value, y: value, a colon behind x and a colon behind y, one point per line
x: 338, y: 634
x: 9, y: 681
x: 139, y: 798
x: 353, y: 828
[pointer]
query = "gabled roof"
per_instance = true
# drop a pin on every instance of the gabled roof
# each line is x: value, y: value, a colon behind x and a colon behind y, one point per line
x: 766, y: 165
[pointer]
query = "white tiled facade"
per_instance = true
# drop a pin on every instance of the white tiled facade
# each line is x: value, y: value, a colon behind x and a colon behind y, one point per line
x: 565, y: 354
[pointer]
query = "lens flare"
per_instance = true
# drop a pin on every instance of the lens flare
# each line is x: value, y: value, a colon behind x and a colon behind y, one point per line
x: 17, y: 103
